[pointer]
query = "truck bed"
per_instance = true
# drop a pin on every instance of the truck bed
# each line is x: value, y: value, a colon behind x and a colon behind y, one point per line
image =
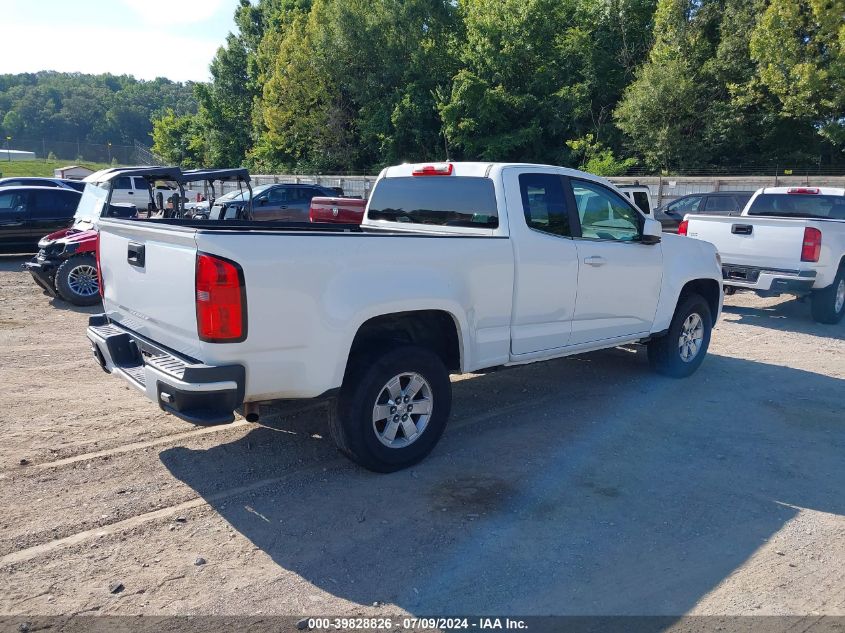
x: 305, y: 297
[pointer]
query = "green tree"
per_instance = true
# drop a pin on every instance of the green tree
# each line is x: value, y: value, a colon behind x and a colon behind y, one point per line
x: 596, y: 158
x: 178, y: 140
x: 663, y: 111
x: 800, y: 48
x: 225, y: 106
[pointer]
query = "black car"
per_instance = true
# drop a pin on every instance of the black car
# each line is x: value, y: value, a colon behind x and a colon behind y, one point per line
x: 35, y: 181
x: 29, y: 213
x: 713, y: 203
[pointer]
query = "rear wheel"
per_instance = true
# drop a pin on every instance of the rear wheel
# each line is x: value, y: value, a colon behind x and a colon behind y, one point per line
x: 828, y: 305
x: 682, y: 349
x: 392, y: 408
x: 77, y: 282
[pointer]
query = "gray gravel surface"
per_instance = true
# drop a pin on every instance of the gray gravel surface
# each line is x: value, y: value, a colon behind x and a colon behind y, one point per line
x: 587, y: 485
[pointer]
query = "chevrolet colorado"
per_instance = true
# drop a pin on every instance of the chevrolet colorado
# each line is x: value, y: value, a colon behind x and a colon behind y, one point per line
x: 456, y: 267
x: 787, y: 240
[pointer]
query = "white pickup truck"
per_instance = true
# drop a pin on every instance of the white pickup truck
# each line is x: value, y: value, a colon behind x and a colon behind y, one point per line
x: 456, y: 267
x: 787, y: 240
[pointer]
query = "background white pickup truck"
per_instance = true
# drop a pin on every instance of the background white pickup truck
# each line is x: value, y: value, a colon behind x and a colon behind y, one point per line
x: 787, y: 240
x: 457, y: 267
x: 133, y: 190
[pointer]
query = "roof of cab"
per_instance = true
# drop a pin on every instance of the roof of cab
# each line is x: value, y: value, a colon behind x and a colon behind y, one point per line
x: 483, y: 170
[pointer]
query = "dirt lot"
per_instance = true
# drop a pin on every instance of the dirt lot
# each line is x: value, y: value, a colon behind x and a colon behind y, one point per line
x: 581, y: 486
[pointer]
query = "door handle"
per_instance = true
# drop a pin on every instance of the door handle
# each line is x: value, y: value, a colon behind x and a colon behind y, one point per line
x: 742, y: 229
x: 595, y: 260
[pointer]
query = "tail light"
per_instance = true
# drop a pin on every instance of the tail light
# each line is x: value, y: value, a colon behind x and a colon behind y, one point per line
x: 221, y: 300
x: 100, y: 285
x: 803, y: 190
x: 438, y: 169
x: 683, y: 227
x: 811, y: 247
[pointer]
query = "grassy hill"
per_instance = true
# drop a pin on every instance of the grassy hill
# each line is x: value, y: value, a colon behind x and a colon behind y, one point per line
x: 40, y: 167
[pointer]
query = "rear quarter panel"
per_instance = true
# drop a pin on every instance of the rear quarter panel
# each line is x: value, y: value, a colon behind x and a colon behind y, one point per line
x: 308, y: 294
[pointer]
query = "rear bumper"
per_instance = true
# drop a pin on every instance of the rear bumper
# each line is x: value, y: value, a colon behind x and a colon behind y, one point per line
x: 190, y: 390
x: 43, y: 273
x: 768, y: 281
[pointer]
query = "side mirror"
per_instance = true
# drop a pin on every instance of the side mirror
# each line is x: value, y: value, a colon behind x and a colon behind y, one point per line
x: 652, y: 231
x: 261, y: 202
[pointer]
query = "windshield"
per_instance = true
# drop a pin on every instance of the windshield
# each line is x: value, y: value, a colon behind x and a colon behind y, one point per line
x: 799, y: 206
x: 91, y: 203
x: 240, y: 194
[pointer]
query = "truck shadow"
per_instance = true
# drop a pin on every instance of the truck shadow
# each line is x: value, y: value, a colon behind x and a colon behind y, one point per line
x: 581, y: 486
x: 789, y: 315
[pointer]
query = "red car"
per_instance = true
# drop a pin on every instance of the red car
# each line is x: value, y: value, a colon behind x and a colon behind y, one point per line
x: 66, y: 263
x: 337, y: 210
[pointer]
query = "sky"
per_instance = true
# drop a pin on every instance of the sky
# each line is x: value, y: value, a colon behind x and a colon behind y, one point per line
x: 145, y: 38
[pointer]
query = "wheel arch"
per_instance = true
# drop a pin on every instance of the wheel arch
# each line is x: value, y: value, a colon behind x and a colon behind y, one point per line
x: 435, y: 329
x: 710, y: 289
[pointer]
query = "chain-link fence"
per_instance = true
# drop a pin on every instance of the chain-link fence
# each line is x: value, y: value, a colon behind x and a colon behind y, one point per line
x: 78, y: 152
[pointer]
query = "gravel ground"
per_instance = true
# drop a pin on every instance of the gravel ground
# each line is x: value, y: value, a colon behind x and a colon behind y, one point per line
x: 586, y: 485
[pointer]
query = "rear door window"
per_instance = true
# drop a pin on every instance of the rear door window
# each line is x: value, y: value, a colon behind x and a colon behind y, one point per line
x: 436, y: 200
x: 642, y: 201
x: 53, y: 204
x: 720, y: 205
x: 544, y: 203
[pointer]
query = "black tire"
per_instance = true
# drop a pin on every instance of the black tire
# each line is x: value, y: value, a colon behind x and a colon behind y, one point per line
x: 823, y: 302
x: 65, y: 287
x: 351, y: 420
x: 665, y: 352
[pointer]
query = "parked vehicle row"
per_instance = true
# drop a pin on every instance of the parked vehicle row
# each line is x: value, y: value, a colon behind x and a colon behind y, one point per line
x: 456, y: 267
x: 66, y: 264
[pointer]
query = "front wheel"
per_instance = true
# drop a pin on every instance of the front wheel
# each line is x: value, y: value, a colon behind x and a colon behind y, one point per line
x: 77, y: 282
x: 392, y: 408
x: 828, y: 305
x: 682, y: 349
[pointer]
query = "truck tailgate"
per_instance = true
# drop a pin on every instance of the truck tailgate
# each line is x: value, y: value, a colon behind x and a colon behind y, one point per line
x: 753, y: 241
x: 148, y: 274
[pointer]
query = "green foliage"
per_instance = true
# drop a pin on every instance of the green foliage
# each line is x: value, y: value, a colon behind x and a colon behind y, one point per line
x: 352, y: 85
x: 598, y: 159
x: 87, y: 108
x: 178, y: 140
x: 800, y: 48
